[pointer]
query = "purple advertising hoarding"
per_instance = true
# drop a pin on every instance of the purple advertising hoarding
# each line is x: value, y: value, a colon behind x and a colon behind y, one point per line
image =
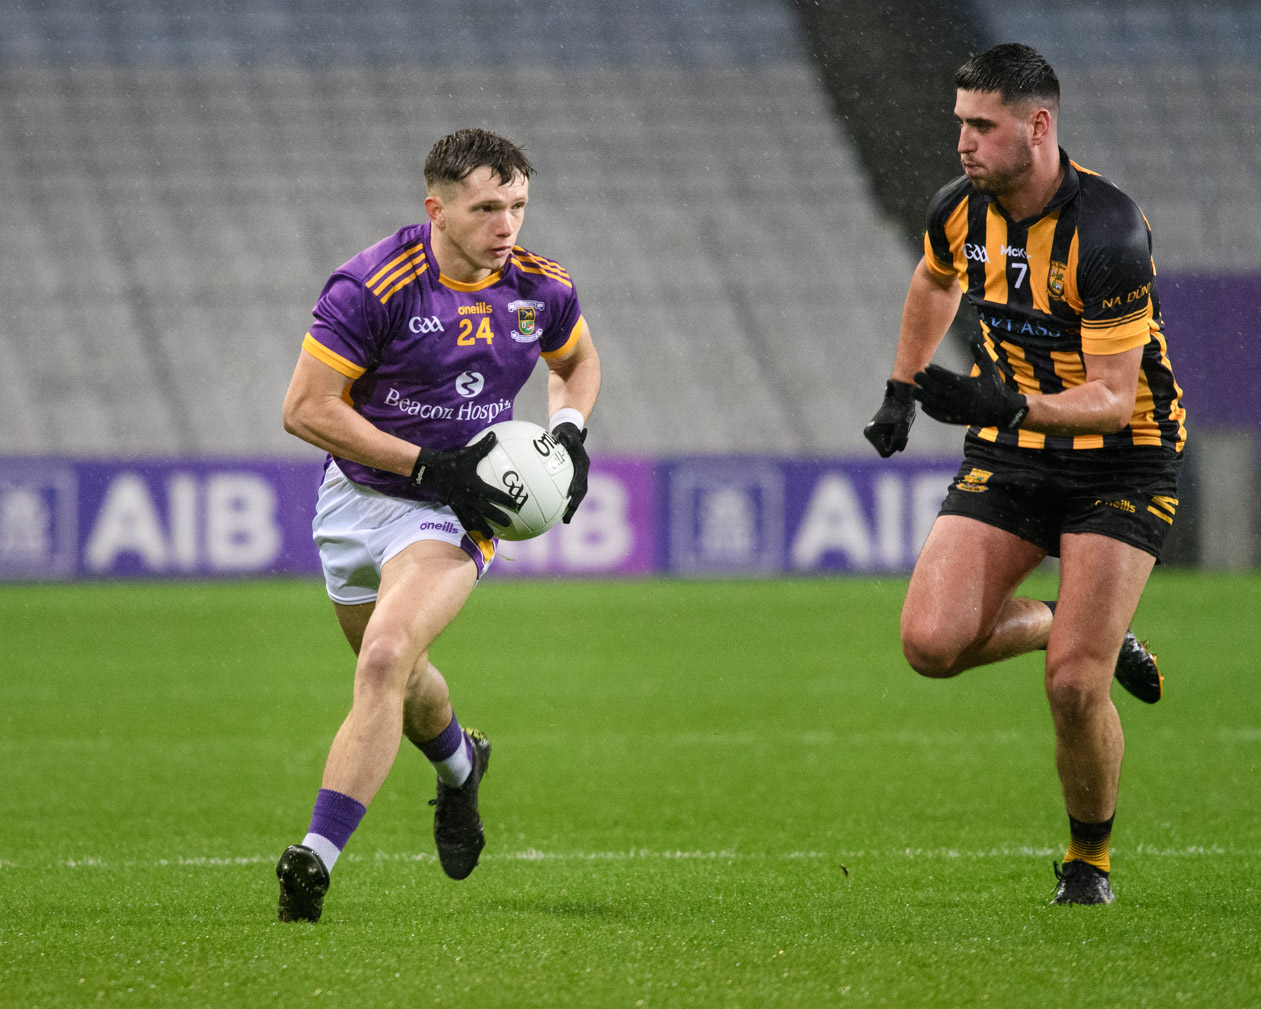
x: 721, y: 516
x: 159, y: 518
x: 63, y: 518
x: 613, y: 533
x: 753, y: 515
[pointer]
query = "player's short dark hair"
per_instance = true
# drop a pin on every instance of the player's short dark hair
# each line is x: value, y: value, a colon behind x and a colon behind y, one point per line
x: 454, y: 156
x: 1017, y: 72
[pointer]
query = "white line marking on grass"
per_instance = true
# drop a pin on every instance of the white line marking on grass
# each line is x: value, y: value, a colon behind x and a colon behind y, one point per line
x: 238, y: 860
x: 1245, y: 733
x: 534, y: 855
x: 679, y: 855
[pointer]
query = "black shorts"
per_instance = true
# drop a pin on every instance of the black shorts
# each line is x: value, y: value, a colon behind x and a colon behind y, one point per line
x: 1038, y: 494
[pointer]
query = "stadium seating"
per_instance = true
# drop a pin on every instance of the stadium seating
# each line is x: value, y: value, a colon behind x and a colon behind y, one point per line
x: 177, y: 186
x: 1157, y: 96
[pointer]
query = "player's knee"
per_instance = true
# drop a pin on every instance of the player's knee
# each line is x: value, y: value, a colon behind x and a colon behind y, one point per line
x: 1073, y: 693
x: 929, y: 652
x: 383, y: 665
x: 930, y: 641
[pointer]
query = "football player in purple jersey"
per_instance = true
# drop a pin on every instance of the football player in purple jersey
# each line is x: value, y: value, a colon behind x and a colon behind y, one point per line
x: 420, y: 342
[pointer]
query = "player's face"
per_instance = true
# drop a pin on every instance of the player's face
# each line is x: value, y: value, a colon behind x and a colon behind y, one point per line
x: 476, y: 222
x: 995, y: 141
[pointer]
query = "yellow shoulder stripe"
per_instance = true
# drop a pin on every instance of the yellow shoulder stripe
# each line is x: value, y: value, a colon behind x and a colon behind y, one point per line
x: 526, y: 266
x: 1138, y: 313
x: 407, y: 253
x: 334, y: 360
x: 402, y: 282
x: 536, y: 260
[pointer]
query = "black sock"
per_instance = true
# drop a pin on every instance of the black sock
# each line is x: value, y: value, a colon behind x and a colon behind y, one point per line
x: 1089, y: 842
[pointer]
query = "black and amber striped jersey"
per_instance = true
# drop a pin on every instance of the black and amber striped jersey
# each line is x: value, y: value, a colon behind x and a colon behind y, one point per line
x: 1077, y: 279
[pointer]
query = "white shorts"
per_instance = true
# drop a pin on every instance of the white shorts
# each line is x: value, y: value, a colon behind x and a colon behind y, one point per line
x: 358, y: 530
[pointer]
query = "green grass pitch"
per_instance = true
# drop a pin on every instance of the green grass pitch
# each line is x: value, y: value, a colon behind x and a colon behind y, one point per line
x: 702, y: 794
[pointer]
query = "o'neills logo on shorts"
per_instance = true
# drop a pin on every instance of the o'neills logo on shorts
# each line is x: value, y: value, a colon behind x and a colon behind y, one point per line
x: 442, y: 527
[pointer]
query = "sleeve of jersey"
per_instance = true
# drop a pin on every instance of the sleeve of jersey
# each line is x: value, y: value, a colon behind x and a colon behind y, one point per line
x: 561, y: 335
x: 1115, y: 281
x: 933, y: 264
x: 343, y: 334
x: 938, y: 256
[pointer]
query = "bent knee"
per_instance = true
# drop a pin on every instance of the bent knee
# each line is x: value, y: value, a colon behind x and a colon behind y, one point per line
x: 384, y: 664
x: 930, y: 655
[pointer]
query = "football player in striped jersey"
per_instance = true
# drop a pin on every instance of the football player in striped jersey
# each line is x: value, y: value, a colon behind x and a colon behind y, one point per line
x: 1075, y: 430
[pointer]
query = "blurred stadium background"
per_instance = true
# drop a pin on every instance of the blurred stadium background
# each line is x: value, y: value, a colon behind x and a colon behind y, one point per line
x: 737, y: 188
x: 770, y: 809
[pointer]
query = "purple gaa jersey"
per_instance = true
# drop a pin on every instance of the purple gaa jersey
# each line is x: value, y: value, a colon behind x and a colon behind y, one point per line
x: 432, y: 360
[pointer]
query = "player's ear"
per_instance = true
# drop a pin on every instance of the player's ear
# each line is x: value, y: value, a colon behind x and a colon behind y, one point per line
x: 435, y: 210
x: 1042, y: 124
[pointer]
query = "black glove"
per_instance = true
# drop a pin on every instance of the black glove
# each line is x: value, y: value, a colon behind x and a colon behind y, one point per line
x: 985, y: 400
x: 889, y: 428
x: 567, y: 434
x: 452, y: 475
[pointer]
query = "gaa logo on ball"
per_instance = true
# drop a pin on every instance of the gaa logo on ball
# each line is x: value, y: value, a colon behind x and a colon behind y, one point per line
x: 534, y: 469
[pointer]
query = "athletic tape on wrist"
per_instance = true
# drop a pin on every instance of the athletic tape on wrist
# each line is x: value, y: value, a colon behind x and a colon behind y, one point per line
x: 566, y: 414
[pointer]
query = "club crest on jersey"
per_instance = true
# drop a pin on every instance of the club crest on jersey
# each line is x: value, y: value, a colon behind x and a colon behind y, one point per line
x: 1055, y: 280
x: 528, y: 329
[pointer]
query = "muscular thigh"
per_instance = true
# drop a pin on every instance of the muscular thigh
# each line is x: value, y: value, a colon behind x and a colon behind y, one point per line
x: 1101, y: 582
x: 966, y: 572
x: 423, y: 587
x: 353, y: 621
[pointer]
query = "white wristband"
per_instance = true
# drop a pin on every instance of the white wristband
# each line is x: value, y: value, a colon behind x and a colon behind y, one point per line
x: 566, y: 414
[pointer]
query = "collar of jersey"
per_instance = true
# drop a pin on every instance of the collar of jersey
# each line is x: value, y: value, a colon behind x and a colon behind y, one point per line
x: 457, y: 285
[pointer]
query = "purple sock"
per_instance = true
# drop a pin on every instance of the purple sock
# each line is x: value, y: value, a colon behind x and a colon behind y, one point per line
x: 450, y: 754
x: 445, y: 743
x: 336, y: 816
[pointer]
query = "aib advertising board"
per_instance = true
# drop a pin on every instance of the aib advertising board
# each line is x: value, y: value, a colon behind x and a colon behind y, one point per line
x: 714, y: 516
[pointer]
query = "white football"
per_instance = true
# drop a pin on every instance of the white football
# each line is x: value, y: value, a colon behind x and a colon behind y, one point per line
x: 534, y: 468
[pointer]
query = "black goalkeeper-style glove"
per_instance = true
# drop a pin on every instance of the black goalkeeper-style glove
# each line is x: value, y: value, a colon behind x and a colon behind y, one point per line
x: 985, y: 399
x: 567, y: 434
x: 452, y: 475
x: 890, y: 427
